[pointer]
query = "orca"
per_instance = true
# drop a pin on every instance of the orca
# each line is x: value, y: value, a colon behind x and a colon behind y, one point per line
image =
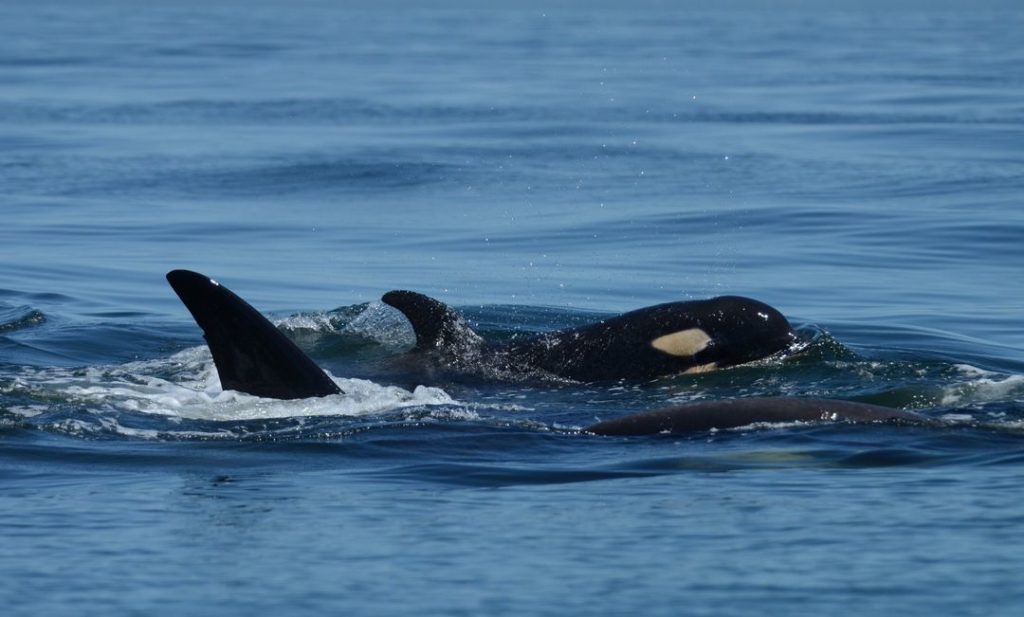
x: 667, y: 339
x: 250, y: 353
x: 733, y: 413
x: 253, y: 356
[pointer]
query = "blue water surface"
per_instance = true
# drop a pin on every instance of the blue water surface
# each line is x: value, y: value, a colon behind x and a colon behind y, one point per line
x: 860, y: 169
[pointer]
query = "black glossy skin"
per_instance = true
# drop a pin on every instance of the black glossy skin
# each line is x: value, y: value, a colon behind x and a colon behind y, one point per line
x: 732, y: 413
x: 250, y: 353
x: 253, y: 356
x: 741, y: 330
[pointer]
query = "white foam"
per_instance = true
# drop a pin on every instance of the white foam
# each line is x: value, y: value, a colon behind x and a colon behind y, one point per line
x: 186, y: 386
x: 982, y: 387
x: 763, y: 426
x: 973, y: 371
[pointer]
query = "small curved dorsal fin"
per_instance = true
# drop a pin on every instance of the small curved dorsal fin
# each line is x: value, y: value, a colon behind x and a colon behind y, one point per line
x: 437, y: 325
x: 250, y: 353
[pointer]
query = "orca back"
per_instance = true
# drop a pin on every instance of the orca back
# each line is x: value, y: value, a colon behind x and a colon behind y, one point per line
x: 732, y: 413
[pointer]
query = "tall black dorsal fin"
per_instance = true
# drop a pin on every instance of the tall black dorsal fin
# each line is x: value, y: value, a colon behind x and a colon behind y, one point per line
x: 251, y: 355
x: 436, y: 325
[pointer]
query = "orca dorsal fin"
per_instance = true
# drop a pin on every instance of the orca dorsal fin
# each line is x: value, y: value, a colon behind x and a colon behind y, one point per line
x: 250, y: 353
x: 437, y: 325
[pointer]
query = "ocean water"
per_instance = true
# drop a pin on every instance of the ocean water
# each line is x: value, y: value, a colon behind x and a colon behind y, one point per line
x: 862, y: 170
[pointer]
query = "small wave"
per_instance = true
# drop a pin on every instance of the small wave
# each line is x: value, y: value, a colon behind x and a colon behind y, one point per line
x: 312, y: 174
x: 328, y: 110
x: 20, y: 317
x: 982, y: 386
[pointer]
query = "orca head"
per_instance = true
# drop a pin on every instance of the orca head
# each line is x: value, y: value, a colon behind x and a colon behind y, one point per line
x: 740, y: 330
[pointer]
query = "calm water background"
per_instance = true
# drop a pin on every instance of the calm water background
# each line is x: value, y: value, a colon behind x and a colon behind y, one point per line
x: 863, y: 171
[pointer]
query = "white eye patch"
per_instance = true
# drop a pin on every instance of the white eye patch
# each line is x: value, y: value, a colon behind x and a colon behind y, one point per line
x: 682, y: 343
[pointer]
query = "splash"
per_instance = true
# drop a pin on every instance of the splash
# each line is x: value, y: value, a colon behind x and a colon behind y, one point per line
x: 186, y: 386
x: 375, y: 322
x: 982, y: 386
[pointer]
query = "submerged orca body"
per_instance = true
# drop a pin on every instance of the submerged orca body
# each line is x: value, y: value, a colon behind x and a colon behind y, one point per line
x: 251, y: 355
x: 732, y: 413
x: 667, y: 339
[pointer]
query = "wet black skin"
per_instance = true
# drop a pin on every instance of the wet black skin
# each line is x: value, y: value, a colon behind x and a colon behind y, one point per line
x: 253, y: 356
x: 250, y: 353
x: 732, y: 413
x: 740, y: 329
